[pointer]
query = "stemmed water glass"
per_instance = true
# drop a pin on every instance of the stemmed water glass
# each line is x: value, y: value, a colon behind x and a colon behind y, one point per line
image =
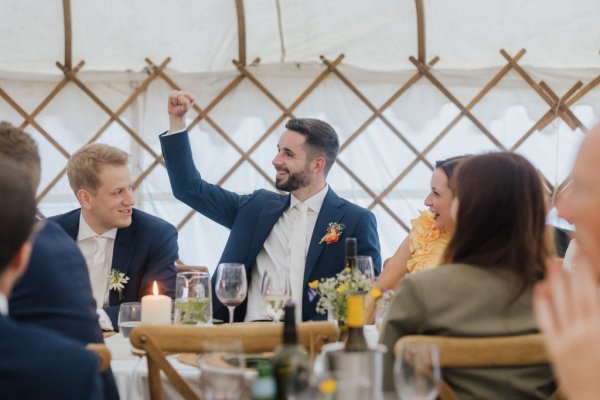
x: 231, y: 286
x: 364, y: 265
x: 417, y: 372
x: 275, y: 291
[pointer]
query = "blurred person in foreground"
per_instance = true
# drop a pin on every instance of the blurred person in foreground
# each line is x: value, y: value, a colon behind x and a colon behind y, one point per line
x: 54, y: 292
x: 263, y: 223
x: 493, y: 260
x: 35, y: 363
x: 567, y: 304
x: 119, y: 243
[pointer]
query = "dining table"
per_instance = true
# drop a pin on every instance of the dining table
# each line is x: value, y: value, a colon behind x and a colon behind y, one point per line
x: 130, y: 368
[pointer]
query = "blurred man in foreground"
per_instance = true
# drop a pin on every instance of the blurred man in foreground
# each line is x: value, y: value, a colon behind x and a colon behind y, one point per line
x: 568, y: 304
x: 35, y: 363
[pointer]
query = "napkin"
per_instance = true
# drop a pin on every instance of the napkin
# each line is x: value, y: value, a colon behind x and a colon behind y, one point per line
x: 104, y: 320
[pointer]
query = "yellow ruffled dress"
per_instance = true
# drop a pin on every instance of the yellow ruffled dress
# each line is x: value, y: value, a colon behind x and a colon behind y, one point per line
x: 426, y: 243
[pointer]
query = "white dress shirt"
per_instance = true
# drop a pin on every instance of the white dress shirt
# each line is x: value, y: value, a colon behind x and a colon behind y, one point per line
x: 98, y: 253
x: 275, y: 253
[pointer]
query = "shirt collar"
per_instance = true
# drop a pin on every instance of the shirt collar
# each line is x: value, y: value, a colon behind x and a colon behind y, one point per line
x: 86, y: 232
x: 313, y: 203
x: 3, y: 305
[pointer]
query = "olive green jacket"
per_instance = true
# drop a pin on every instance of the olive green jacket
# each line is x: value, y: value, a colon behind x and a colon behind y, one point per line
x: 464, y: 300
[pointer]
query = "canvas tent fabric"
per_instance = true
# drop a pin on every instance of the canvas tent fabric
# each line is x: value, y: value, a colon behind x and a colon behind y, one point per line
x: 482, y: 92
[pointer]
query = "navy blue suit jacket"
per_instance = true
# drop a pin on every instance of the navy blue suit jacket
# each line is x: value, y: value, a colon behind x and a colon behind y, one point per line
x: 55, y: 293
x: 39, y: 364
x: 145, y: 251
x: 252, y: 217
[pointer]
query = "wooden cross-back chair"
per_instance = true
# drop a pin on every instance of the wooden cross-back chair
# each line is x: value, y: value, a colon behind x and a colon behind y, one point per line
x: 254, y: 336
x: 467, y: 352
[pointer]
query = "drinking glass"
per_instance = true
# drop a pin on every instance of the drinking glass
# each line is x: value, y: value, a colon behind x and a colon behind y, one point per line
x: 275, y: 291
x: 417, y: 372
x: 231, y: 286
x: 223, y: 364
x: 130, y: 315
x: 364, y: 265
x: 192, y: 298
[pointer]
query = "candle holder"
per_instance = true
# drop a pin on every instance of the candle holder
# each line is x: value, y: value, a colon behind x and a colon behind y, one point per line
x: 193, y: 298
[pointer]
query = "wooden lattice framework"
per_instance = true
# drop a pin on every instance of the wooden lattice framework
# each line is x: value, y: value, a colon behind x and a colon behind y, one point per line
x: 558, y: 107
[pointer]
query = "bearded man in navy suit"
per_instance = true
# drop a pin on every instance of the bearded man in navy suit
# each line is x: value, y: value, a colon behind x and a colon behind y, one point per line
x: 264, y: 224
x: 115, y: 238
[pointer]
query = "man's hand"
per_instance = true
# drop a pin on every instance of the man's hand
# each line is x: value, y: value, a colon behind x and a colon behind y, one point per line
x: 567, y: 309
x: 179, y: 104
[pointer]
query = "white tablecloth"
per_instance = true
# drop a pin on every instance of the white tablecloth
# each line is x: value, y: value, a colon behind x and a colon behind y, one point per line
x: 131, y: 371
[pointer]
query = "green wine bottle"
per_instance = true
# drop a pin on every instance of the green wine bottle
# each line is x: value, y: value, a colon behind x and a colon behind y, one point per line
x: 290, y: 362
x: 355, y: 316
x: 350, y: 261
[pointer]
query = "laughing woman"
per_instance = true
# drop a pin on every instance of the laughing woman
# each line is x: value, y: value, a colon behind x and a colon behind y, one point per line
x: 430, y: 232
x: 495, y: 256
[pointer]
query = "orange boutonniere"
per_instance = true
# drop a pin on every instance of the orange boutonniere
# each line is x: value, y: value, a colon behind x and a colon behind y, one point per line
x: 332, y: 235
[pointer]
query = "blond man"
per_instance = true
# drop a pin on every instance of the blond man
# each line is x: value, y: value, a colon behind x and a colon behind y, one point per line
x: 117, y: 240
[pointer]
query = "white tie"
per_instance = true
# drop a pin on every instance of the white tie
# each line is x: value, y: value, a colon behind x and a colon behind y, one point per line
x: 98, y: 273
x: 298, y: 257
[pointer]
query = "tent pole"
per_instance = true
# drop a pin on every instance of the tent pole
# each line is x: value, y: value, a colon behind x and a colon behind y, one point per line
x: 420, y: 30
x: 241, y: 19
x: 68, y: 34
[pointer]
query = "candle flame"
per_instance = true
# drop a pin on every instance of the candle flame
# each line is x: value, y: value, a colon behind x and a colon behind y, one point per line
x: 155, y: 289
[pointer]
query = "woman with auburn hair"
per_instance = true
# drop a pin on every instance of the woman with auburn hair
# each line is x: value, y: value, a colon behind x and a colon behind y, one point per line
x: 494, y: 258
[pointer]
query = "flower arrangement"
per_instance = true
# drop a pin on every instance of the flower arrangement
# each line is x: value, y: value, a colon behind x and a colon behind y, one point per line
x: 117, y: 281
x: 334, y: 291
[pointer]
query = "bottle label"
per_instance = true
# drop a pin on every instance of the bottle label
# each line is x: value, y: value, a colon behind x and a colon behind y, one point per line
x: 355, y: 311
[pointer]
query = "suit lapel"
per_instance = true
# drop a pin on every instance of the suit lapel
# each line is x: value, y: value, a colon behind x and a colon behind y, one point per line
x: 330, y: 212
x: 122, y: 252
x: 266, y: 220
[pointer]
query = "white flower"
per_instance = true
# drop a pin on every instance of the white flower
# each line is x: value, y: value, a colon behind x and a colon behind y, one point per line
x: 117, y: 281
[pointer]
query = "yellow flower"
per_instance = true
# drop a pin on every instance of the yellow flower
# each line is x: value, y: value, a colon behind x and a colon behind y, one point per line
x: 341, y: 288
x: 314, y: 284
x: 375, y: 293
x: 328, y: 386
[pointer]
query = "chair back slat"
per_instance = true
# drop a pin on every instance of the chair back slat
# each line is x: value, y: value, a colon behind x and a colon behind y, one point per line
x: 482, y: 352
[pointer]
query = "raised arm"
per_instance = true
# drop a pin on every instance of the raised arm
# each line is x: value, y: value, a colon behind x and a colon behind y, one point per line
x: 179, y: 104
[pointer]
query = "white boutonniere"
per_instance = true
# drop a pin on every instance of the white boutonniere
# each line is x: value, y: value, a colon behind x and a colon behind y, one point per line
x: 117, y: 281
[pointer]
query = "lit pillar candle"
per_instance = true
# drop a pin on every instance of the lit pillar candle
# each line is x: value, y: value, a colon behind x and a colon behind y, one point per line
x: 156, y: 308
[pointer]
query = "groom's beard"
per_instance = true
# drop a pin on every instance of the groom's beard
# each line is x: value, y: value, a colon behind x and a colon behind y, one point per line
x: 295, y: 181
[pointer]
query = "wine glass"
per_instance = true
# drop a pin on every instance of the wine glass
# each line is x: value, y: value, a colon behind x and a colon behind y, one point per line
x: 364, y: 265
x: 417, y: 372
x: 223, y: 364
x: 231, y: 286
x: 275, y: 290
